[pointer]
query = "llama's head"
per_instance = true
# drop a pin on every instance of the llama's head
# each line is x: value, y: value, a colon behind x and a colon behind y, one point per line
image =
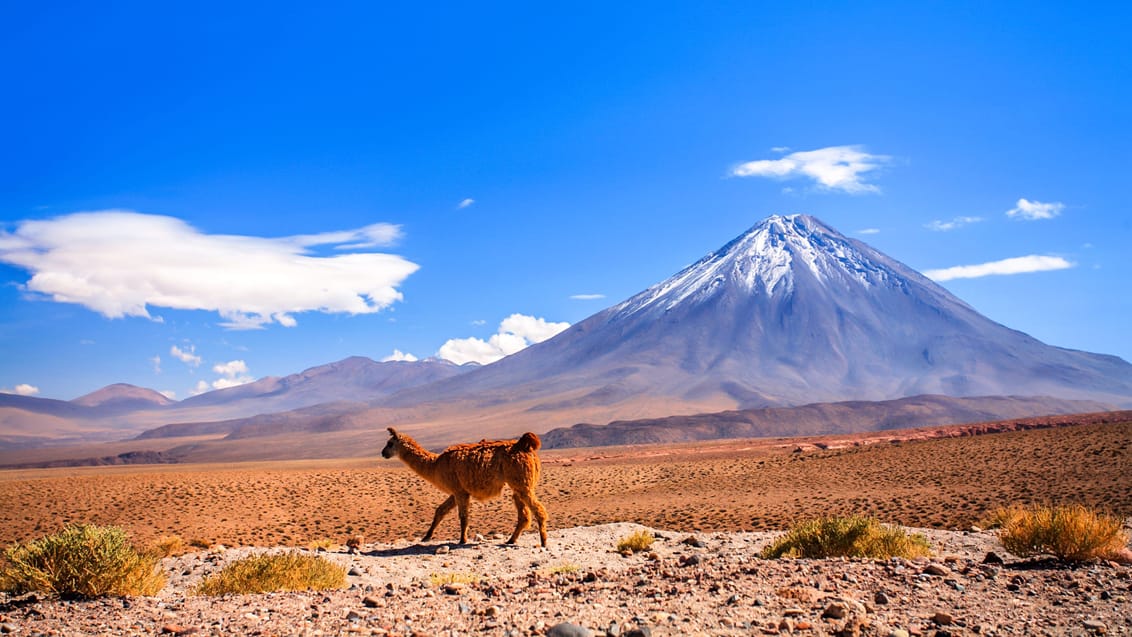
x: 393, y: 445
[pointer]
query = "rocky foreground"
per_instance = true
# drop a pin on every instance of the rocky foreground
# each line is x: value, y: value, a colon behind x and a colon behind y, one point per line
x: 702, y: 584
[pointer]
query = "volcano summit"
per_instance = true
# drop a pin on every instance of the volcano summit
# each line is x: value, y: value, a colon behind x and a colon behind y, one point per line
x: 790, y: 312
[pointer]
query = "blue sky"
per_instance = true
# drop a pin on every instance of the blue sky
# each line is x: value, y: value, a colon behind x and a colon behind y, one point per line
x: 196, y: 196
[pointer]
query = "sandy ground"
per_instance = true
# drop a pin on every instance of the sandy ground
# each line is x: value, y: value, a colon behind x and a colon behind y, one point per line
x: 731, y: 496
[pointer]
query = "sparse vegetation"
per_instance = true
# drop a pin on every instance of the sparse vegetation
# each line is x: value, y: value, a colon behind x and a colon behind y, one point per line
x: 1073, y: 533
x: 170, y: 545
x: 448, y: 577
x: 852, y: 536
x: 636, y: 542
x: 82, y: 560
x: 325, y: 544
x: 269, y: 572
x: 565, y: 568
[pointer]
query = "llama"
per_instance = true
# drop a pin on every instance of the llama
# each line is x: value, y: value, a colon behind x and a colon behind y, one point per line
x: 477, y: 470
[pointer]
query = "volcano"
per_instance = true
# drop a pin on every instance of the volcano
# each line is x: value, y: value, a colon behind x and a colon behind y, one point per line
x: 790, y: 312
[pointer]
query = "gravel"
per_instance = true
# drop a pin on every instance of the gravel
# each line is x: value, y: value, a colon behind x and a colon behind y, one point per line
x: 707, y: 584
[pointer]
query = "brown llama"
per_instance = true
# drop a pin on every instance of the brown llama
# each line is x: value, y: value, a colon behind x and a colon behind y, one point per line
x: 477, y: 470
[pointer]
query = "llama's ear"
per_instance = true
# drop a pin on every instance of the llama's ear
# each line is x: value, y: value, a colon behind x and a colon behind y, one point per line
x: 392, y: 431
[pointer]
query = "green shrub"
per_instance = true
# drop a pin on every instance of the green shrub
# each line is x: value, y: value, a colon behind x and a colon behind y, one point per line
x: 269, y: 572
x: 636, y: 542
x: 1070, y: 533
x: 82, y: 560
x: 853, y: 536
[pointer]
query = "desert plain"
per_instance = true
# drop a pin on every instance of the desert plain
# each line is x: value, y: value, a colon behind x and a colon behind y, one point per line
x: 712, y: 506
x: 908, y: 477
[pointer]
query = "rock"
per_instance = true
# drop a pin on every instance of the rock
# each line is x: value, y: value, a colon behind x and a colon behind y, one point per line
x: 942, y: 618
x: 836, y: 610
x: 453, y: 588
x: 898, y: 632
x: 691, y: 560
x: 371, y: 602
x: 1095, y: 626
x: 442, y: 550
x: 793, y: 612
x: 881, y: 598
x: 491, y: 611
x: 692, y: 540
x: 353, y: 615
x: 566, y: 629
x: 938, y: 570
x: 167, y: 629
x: 7, y: 628
x: 642, y: 631
x: 993, y: 558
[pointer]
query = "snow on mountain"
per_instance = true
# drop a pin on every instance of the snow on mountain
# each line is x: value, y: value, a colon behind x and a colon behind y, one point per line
x: 790, y: 312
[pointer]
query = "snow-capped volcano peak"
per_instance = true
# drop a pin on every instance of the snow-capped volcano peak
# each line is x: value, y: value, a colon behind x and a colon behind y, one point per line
x: 766, y: 260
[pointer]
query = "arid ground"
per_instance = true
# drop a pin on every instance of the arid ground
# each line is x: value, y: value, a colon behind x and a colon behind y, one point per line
x: 732, y: 485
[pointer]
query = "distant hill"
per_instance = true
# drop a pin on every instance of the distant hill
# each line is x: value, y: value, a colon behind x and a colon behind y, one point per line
x: 123, y: 397
x: 816, y: 419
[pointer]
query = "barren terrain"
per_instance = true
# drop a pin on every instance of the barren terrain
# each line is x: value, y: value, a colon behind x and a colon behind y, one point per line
x: 726, y: 493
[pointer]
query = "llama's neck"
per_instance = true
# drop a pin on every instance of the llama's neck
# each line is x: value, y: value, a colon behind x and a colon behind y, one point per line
x: 418, y: 458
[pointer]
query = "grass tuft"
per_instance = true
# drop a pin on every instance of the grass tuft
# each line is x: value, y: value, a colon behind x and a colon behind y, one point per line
x: 451, y: 577
x: 1073, y: 533
x: 852, y: 536
x: 170, y: 546
x: 270, y: 572
x: 82, y: 560
x: 636, y: 542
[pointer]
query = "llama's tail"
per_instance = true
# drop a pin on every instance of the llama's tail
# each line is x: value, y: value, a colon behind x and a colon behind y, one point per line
x: 528, y: 442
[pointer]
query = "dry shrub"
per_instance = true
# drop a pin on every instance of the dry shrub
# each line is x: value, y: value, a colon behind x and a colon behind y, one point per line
x: 82, y: 560
x: 170, y: 545
x: 852, y: 536
x: 1073, y: 533
x: 270, y: 572
x: 452, y: 577
x: 636, y: 542
x: 324, y: 544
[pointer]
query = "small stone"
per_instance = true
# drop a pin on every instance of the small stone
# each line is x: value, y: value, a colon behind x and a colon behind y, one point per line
x: 936, y: 569
x: 354, y: 572
x: 943, y: 619
x: 642, y: 631
x: 7, y: 628
x: 793, y: 612
x: 803, y: 625
x: 691, y: 560
x: 881, y: 598
x: 898, y: 632
x: 353, y: 615
x: 836, y: 610
x: 371, y: 602
x: 167, y: 629
x: 694, y: 541
x: 453, y: 588
x: 442, y: 549
x: 993, y: 558
x: 491, y: 611
x: 1095, y: 626
x: 566, y: 629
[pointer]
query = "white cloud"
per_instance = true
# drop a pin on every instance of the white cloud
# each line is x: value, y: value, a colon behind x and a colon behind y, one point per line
x: 187, y: 356
x: 834, y: 168
x: 957, y: 222
x: 233, y: 373
x: 465, y: 203
x: 587, y: 297
x: 869, y: 231
x: 515, y: 332
x: 398, y: 355
x: 23, y: 389
x: 168, y: 393
x: 1035, y: 210
x: 156, y: 361
x: 1014, y: 265
x: 121, y: 263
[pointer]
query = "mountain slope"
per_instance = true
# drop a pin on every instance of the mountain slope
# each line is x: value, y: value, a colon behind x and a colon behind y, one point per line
x: 791, y: 312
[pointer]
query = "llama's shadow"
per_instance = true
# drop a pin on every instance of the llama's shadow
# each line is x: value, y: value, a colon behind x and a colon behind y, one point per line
x: 430, y: 549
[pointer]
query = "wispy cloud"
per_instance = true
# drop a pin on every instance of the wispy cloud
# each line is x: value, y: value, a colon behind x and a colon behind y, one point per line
x: 840, y: 168
x: 1014, y: 265
x: 121, y: 263
x: 465, y: 203
x: 1035, y: 210
x: 945, y: 226
x: 515, y: 333
x: 156, y: 362
x: 869, y: 231
x: 587, y: 297
x: 399, y: 356
x: 23, y: 389
x: 187, y: 356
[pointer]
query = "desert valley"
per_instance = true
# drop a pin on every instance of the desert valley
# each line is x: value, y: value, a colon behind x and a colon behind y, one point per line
x: 792, y: 374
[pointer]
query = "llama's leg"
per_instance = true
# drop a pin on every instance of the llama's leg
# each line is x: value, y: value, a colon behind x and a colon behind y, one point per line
x: 524, y: 514
x: 441, y: 511
x: 462, y: 502
x: 540, y: 515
